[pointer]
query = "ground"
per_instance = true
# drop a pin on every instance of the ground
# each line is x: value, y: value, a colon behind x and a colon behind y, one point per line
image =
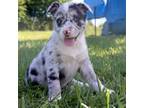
x: 108, y: 56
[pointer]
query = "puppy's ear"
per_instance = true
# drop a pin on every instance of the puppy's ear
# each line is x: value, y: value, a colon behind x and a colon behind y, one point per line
x: 53, y: 8
x: 84, y: 7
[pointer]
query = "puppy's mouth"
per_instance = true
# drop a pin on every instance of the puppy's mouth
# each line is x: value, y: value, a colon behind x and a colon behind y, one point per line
x: 69, y: 41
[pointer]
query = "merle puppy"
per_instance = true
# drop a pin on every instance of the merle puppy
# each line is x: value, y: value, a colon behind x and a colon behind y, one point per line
x: 66, y: 52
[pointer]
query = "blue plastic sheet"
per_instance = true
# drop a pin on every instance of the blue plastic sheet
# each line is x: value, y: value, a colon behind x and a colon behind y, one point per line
x: 113, y: 9
x: 98, y: 8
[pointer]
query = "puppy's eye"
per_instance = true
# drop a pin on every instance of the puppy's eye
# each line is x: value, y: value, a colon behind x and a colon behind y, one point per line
x: 59, y: 21
x: 76, y: 18
x: 79, y: 24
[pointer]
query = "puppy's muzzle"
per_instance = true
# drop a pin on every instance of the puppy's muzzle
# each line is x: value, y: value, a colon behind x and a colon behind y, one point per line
x: 67, y: 33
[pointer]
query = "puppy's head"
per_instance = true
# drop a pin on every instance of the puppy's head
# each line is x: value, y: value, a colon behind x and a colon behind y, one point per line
x: 69, y: 20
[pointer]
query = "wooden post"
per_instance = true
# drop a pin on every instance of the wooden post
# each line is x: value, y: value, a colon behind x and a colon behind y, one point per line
x: 95, y: 20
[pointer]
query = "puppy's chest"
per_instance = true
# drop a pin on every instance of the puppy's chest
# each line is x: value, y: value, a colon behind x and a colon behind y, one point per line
x: 69, y: 68
x: 71, y: 58
x: 70, y: 65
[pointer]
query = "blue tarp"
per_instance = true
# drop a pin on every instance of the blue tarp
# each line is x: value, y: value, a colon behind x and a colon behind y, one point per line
x: 115, y: 10
x: 98, y: 8
x: 112, y: 10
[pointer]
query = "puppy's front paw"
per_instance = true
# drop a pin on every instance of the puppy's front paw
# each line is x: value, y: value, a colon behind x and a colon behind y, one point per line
x: 54, y: 98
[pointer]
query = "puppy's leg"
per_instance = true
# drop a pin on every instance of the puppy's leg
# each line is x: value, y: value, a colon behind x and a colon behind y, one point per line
x: 89, y: 75
x: 54, y: 88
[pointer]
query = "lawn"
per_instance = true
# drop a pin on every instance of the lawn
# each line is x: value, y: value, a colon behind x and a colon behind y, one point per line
x: 108, y: 56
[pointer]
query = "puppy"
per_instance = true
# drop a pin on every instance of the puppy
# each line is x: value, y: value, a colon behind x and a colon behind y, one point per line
x: 65, y: 53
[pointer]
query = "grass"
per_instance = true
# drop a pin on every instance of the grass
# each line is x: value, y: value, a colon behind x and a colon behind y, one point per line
x: 109, y: 61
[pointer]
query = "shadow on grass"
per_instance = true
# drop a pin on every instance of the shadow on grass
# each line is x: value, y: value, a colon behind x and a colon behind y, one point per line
x: 107, y: 55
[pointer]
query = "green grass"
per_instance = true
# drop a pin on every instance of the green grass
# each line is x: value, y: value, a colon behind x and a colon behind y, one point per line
x: 109, y: 61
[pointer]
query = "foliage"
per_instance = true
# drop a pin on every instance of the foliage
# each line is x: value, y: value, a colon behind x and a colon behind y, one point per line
x: 108, y: 58
x: 32, y: 14
x: 21, y: 10
x: 62, y: 1
x: 91, y: 27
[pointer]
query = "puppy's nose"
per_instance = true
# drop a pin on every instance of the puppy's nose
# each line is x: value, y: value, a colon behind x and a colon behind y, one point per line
x: 66, y: 33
